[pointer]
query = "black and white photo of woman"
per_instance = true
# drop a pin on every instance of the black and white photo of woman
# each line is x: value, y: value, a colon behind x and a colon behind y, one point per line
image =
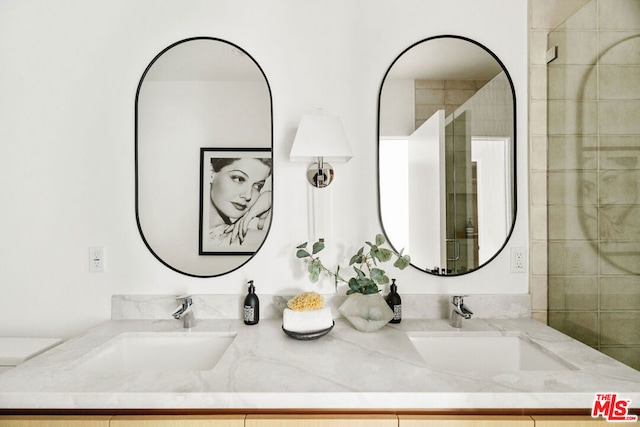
x: 239, y: 200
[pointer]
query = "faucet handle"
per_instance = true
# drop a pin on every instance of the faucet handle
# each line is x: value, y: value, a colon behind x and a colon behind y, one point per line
x: 185, y: 298
x: 458, y: 299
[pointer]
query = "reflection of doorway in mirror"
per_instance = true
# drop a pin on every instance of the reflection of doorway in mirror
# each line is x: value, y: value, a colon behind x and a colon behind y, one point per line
x: 491, y: 157
x: 411, y: 183
x: 394, y: 191
x: 427, y: 207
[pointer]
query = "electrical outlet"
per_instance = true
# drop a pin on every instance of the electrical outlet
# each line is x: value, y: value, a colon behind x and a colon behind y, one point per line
x: 518, y: 260
x: 96, y: 259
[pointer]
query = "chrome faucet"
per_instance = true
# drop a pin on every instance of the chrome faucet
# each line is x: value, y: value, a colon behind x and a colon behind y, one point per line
x: 185, y: 311
x: 459, y: 311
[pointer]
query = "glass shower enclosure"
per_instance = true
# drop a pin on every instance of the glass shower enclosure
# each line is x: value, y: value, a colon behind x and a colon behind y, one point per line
x: 593, y: 89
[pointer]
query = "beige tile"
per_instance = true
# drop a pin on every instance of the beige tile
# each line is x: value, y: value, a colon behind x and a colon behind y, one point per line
x: 619, y: 187
x: 572, y: 188
x: 574, y: 47
x: 620, y: 117
x: 538, y: 222
x: 620, y: 258
x: 489, y: 112
x: 548, y: 14
x: 619, y: 152
x: 620, y: 328
x: 573, y: 293
x: 584, y: 18
x: 538, y: 188
x: 538, y: 117
x: 429, y: 96
x: 576, y: 82
x: 620, y: 293
x: 572, y: 223
x: 619, y: 14
x: 580, y: 325
x: 619, y: 47
x: 538, y: 152
x: 572, y: 152
x: 572, y: 118
x: 619, y: 82
x: 538, y: 291
x: 572, y: 258
x: 538, y: 82
x: 429, y: 84
x: 538, y: 258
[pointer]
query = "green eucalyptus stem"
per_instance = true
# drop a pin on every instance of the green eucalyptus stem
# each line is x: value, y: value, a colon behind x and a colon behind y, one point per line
x: 369, y: 260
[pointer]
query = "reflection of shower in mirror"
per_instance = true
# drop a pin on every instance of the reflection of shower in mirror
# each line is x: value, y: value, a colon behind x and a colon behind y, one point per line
x: 447, y: 155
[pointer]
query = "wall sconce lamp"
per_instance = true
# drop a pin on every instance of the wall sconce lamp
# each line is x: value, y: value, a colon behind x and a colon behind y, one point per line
x: 320, y: 139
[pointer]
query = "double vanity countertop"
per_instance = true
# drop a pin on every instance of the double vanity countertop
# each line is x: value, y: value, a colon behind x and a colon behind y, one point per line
x: 264, y: 368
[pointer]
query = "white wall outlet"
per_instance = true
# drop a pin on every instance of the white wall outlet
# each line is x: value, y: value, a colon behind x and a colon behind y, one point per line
x: 518, y: 260
x: 96, y: 259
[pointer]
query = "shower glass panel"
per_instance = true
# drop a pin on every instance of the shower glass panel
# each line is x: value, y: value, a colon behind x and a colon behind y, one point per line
x: 594, y: 177
x: 462, y: 196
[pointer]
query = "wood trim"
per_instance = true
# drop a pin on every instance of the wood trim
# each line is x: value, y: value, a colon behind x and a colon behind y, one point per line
x: 178, y: 420
x: 306, y: 411
x: 465, y: 420
x: 322, y: 420
x: 55, y: 421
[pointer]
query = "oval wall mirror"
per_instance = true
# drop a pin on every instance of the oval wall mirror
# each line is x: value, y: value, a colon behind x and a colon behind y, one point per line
x: 203, y: 152
x: 446, y: 155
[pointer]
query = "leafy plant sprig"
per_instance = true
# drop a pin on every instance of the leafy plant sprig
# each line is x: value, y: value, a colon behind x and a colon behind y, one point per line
x: 364, y: 263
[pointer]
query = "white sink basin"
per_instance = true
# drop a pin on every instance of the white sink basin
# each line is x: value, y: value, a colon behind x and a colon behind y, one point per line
x: 482, y: 351
x: 155, y: 351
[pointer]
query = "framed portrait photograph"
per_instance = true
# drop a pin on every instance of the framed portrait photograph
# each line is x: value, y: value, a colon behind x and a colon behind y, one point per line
x: 235, y: 200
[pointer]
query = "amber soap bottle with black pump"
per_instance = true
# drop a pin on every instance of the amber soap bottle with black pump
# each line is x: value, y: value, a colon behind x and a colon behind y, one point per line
x: 251, y: 306
x: 395, y: 302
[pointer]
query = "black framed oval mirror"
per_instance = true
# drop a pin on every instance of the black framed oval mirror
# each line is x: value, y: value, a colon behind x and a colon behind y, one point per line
x: 203, y: 157
x: 447, y: 155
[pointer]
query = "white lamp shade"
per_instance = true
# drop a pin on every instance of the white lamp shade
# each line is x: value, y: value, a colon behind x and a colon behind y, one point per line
x: 320, y: 135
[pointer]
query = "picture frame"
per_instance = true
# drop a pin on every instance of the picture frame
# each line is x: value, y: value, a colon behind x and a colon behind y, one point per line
x: 235, y: 200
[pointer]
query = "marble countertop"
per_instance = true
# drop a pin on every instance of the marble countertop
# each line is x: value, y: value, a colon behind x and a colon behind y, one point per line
x: 346, y: 369
x: 15, y: 350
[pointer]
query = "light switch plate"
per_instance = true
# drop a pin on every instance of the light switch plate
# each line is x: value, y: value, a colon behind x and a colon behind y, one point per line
x: 96, y: 259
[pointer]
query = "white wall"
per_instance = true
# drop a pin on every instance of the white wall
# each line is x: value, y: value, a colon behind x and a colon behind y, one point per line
x: 68, y: 76
x: 428, y: 193
x: 397, y: 110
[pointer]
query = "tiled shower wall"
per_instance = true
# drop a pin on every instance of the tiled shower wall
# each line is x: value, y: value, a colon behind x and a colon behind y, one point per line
x: 544, y: 16
x: 593, y: 179
x: 447, y: 95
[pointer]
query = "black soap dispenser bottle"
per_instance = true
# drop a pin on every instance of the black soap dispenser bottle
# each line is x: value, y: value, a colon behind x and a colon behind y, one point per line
x: 251, y: 306
x: 395, y: 302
